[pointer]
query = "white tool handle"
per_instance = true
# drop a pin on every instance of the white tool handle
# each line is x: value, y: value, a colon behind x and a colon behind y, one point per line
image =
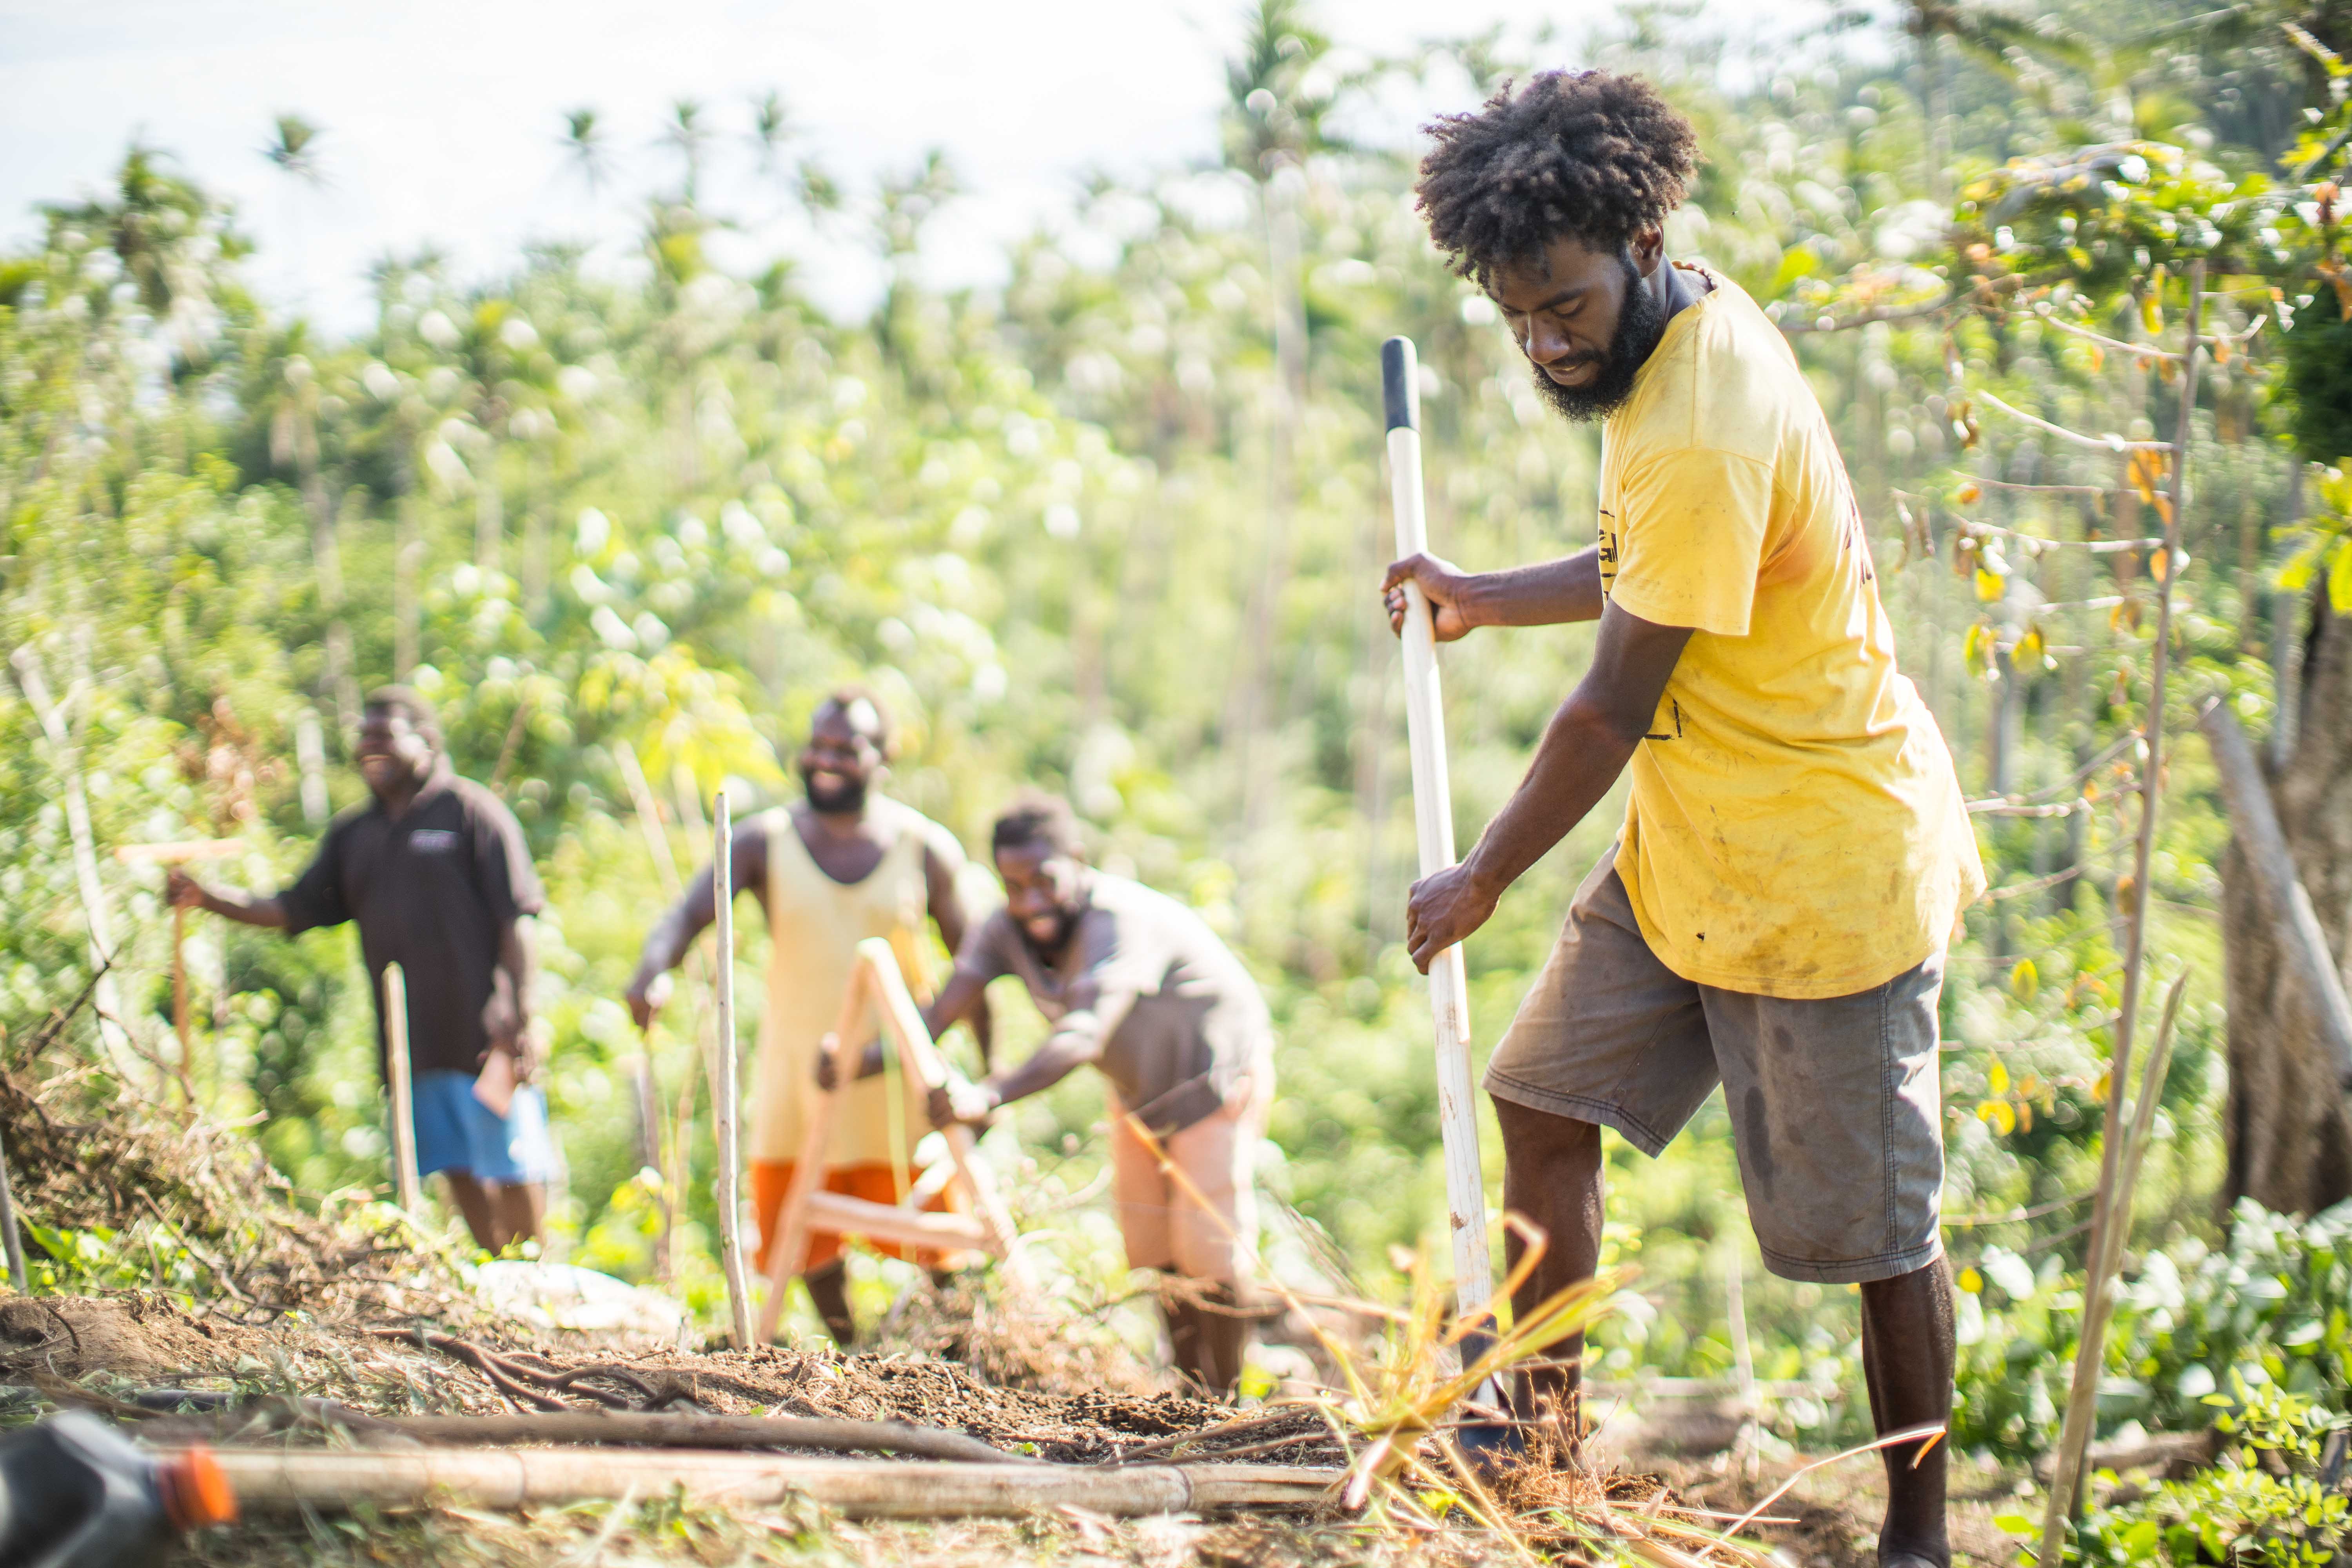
x: 1433, y: 810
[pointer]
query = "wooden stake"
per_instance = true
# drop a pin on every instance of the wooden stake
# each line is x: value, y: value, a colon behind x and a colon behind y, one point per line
x: 2074, y: 1435
x: 1433, y: 806
x: 180, y: 854
x: 18, y: 1274
x: 284, y: 1478
x: 728, y: 1088
x: 409, y: 1188
x: 2106, y: 1256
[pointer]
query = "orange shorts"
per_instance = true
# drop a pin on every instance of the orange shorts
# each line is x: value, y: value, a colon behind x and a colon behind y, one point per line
x: 877, y: 1183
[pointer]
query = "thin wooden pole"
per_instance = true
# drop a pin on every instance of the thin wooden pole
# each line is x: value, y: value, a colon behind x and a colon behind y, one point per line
x: 409, y: 1187
x: 179, y: 1002
x: 723, y: 1105
x: 18, y: 1274
x: 1449, y: 1000
x: 2074, y: 1435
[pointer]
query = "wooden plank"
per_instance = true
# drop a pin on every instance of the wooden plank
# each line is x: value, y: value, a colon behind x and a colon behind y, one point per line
x: 904, y: 1021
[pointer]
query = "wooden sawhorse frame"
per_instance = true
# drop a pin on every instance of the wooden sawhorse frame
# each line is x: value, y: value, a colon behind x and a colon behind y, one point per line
x: 874, y: 978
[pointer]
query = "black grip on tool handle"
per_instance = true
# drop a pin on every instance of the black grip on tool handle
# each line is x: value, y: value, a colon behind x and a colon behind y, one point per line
x: 1401, y: 385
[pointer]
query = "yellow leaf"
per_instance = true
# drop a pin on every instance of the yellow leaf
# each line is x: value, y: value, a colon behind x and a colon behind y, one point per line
x: 1997, y: 1079
x: 2221, y: 351
x: 2099, y: 1089
x: 2031, y: 648
x: 1990, y: 585
x: 2023, y: 982
x: 1967, y: 494
x: 2024, y: 1117
x: 1997, y: 1114
x: 2339, y: 578
x: 1971, y: 1282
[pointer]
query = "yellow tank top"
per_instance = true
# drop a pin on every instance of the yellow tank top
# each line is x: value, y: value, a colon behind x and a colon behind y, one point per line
x: 814, y: 925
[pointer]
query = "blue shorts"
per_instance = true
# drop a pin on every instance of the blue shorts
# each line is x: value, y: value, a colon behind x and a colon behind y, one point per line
x: 455, y: 1131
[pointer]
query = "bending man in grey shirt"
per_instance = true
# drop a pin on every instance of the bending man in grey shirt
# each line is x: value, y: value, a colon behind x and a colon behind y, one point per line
x: 1139, y: 986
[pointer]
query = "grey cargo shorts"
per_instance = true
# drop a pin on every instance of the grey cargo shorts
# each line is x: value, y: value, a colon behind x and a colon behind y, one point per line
x: 1836, y: 1109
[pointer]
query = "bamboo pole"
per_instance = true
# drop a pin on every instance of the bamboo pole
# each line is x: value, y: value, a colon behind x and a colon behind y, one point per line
x: 282, y: 1479
x: 2074, y: 1435
x: 728, y: 1087
x: 407, y: 1186
x: 1449, y: 1001
x: 2256, y: 823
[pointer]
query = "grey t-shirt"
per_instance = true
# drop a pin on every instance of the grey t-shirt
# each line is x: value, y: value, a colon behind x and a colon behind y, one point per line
x: 1180, y: 1020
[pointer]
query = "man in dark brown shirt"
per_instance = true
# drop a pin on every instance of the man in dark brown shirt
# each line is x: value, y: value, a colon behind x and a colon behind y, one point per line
x: 1139, y: 986
x: 436, y: 872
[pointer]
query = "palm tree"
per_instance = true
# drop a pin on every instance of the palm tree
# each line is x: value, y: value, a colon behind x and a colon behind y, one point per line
x: 689, y: 135
x: 584, y: 143
x: 291, y: 148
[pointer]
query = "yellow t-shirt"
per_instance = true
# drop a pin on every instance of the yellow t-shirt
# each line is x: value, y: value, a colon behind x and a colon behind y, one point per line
x: 1795, y: 828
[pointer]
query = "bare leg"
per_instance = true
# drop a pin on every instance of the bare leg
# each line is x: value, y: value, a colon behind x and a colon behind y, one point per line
x: 828, y: 1289
x: 1208, y: 1335
x: 481, y: 1215
x: 521, y: 1209
x: 1553, y: 1175
x: 1907, y: 1360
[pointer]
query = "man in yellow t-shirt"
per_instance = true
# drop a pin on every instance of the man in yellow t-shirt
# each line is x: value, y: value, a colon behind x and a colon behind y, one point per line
x: 1796, y: 853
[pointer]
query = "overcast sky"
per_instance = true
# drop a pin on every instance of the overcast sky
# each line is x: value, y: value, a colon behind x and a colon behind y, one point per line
x: 442, y: 118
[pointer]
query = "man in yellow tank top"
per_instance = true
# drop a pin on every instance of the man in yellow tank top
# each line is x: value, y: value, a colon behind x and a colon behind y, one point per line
x: 1795, y: 853
x: 846, y: 864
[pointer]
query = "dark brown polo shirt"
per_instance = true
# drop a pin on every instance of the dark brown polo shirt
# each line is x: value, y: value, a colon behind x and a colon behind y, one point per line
x: 430, y: 892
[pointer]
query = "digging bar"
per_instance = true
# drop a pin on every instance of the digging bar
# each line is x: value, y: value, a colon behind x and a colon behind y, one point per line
x: 1433, y: 810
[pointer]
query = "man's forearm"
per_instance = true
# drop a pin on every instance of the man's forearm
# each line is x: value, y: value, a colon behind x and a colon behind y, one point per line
x: 246, y: 909
x: 1064, y: 1052
x: 1582, y: 752
x: 1549, y: 593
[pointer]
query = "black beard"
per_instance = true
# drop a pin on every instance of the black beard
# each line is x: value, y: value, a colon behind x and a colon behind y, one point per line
x: 1048, y: 951
x: 1640, y: 322
x: 847, y: 801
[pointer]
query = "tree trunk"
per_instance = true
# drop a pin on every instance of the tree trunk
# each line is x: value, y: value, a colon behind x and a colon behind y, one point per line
x: 2290, y: 1138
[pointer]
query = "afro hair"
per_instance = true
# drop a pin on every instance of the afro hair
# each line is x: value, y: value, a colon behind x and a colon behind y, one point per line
x: 1581, y: 155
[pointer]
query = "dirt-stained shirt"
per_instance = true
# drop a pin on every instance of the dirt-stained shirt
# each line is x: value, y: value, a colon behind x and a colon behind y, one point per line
x: 1795, y: 828
x: 1179, y: 1022
x: 431, y: 892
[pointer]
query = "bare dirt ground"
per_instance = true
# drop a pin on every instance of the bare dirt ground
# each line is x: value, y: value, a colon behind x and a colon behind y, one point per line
x: 301, y: 1313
